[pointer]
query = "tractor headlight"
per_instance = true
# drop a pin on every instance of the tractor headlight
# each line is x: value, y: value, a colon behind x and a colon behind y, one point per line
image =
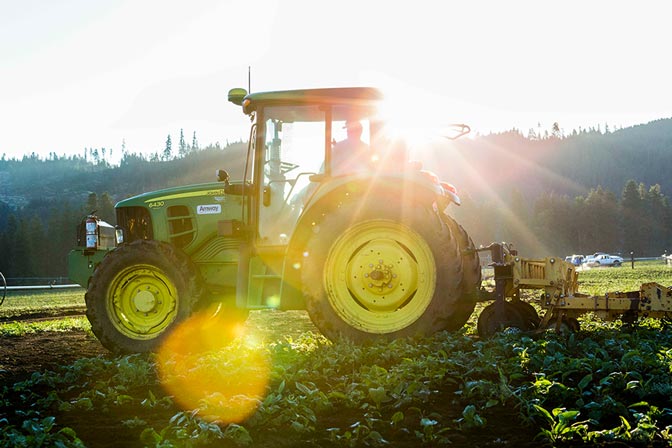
x: 118, y: 235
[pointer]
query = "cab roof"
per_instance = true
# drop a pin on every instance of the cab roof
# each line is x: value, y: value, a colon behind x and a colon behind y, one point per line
x: 336, y: 95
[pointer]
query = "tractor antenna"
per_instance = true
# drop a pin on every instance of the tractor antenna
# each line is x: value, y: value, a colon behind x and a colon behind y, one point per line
x: 249, y: 79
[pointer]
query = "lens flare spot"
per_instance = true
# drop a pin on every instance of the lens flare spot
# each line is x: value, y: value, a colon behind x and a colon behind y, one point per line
x: 273, y: 301
x: 208, y: 366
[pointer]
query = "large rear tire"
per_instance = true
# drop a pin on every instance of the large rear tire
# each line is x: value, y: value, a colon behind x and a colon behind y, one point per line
x: 138, y: 294
x: 382, y: 271
x: 471, y: 269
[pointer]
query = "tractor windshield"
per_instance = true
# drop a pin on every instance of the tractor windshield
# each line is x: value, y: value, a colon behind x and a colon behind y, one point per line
x: 298, y: 142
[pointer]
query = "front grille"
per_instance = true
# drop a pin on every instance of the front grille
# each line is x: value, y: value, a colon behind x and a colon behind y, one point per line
x: 136, y: 222
x: 181, y: 225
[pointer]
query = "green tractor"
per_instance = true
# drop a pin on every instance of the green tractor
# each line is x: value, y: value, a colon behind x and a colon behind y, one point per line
x: 351, y: 232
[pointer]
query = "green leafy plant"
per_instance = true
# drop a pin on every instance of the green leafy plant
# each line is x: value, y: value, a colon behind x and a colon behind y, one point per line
x: 38, y: 432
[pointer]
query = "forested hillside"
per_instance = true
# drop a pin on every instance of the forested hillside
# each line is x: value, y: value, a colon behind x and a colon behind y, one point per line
x: 42, y: 201
x: 588, y: 191
x: 560, y: 194
x: 571, y: 164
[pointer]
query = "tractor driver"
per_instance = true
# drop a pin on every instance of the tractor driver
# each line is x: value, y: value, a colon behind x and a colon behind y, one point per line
x: 351, y: 155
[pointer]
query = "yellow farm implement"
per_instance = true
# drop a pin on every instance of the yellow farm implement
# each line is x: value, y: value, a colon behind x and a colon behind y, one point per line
x: 560, y: 299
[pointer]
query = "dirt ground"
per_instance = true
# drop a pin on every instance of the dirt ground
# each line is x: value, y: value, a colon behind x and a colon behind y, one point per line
x: 20, y: 356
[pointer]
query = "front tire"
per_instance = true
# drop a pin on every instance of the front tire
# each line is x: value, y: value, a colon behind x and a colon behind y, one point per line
x: 380, y: 271
x: 138, y: 294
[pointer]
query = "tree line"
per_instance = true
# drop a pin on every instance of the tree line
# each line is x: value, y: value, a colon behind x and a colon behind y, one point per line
x: 42, y: 201
x: 639, y: 220
x: 551, y: 195
x: 32, y: 246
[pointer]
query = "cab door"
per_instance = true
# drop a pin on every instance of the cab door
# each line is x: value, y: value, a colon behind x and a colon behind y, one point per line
x: 294, y: 139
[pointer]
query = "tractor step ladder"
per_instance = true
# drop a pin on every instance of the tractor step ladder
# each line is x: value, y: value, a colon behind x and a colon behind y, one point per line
x: 260, y: 284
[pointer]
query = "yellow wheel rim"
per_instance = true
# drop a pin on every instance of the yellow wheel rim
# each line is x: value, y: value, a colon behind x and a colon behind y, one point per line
x: 380, y: 276
x: 142, y: 302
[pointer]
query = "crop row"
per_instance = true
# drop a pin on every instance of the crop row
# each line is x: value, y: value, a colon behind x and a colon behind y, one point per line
x: 603, y: 385
x: 606, y: 385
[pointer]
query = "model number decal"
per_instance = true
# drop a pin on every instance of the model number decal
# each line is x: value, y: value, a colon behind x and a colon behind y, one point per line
x: 157, y: 204
x: 212, y: 209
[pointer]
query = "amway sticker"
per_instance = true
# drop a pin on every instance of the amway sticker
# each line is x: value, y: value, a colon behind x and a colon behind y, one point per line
x: 209, y: 209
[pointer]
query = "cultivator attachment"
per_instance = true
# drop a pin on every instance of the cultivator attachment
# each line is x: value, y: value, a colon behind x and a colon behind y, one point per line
x: 560, y: 299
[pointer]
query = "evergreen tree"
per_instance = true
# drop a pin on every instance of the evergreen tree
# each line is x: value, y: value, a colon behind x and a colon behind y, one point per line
x: 5, y: 245
x: 632, y: 217
x: 183, y: 145
x: 62, y: 232
x: 11, y: 234
x: 18, y: 250
x: 601, y: 221
x: 106, y: 211
x: 23, y: 260
x: 91, y: 204
x: 5, y: 211
x: 582, y: 238
x: 644, y: 222
x: 37, y: 244
x: 168, y: 150
x: 656, y: 210
x: 194, y: 143
x: 555, y: 224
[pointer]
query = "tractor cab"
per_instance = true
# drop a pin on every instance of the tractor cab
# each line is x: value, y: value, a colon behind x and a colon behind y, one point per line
x: 297, y: 153
x: 302, y: 140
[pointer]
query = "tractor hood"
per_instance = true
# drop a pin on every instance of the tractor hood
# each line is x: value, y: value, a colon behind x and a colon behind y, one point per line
x: 212, y: 190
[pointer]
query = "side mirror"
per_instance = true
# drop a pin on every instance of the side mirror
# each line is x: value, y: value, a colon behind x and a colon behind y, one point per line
x: 222, y: 176
x: 237, y: 95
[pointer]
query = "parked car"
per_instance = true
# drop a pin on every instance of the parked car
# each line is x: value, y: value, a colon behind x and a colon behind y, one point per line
x: 605, y: 260
x: 576, y: 260
x: 593, y: 256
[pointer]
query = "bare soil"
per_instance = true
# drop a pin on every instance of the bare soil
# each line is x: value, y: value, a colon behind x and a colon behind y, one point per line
x: 20, y: 356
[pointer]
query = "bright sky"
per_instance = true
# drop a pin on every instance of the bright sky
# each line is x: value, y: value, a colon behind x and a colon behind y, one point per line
x: 81, y: 73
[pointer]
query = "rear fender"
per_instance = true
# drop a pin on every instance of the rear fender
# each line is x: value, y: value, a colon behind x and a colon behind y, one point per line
x: 331, y: 195
x: 329, y: 199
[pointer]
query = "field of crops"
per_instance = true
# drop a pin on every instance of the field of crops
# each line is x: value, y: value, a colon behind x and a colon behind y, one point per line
x: 281, y: 384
